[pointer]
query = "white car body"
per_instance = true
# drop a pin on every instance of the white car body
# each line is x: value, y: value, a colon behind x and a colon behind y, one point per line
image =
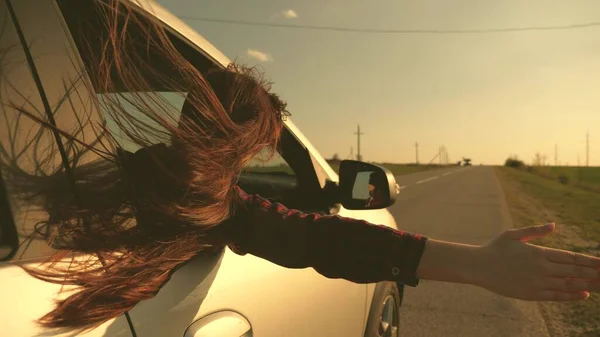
x: 224, y: 295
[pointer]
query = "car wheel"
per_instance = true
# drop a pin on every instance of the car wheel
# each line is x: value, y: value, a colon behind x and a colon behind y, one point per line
x: 384, y: 315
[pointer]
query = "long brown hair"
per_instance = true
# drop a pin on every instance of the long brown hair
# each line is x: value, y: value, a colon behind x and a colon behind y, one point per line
x: 141, y: 215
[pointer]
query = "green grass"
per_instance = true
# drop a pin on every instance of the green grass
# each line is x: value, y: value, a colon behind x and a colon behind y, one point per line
x: 536, y: 197
x: 584, y: 177
x: 575, y: 205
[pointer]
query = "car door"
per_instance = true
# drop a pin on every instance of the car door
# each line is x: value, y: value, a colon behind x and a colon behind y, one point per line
x: 27, y: 31
x: 272, y: 300
x: 236, y: 290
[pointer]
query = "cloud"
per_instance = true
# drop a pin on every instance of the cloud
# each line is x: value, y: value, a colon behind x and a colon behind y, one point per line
x: 289, y: 14
x: 259, y: 55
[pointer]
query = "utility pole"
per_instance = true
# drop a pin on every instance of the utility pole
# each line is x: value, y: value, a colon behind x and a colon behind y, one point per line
x: 587, y: 149
x: 555, y: 155
x: 417, y: 151
x: 440, y: 154
x: 358, y: 134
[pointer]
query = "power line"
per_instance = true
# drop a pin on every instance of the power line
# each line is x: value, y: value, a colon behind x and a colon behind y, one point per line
x: 395, y: 31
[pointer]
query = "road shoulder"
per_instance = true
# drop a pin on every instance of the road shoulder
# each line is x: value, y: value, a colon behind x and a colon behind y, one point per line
x: 533, y: 200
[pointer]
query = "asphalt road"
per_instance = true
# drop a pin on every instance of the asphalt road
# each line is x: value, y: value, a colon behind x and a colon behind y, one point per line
x: 465, y: 205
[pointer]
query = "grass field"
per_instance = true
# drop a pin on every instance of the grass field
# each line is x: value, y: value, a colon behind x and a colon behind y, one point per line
x: 584, y: 177
x: 538, y: 196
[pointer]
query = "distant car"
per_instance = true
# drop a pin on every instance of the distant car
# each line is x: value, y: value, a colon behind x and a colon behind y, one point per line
x: 223, y: 295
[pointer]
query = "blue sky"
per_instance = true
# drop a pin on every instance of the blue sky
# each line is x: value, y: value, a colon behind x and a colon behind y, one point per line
x: 485, y: 96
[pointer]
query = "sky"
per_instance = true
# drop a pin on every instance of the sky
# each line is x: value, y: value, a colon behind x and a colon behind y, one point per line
x: 483, y: 96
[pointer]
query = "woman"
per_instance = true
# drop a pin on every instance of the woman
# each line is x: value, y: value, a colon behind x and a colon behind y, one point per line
x: 376, y: 184
x: 145, y: 213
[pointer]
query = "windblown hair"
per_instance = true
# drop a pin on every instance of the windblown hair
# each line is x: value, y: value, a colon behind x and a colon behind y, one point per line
x: 141, y: 215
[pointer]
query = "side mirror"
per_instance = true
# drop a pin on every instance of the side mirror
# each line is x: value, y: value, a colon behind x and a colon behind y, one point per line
x: 366, y: 186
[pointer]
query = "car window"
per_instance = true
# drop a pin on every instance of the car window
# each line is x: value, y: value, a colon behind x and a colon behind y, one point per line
x: 267, y: 174
x: 175, y: 101
x: 27, y: 151
x: 264, y: 163
x: 268, y: 163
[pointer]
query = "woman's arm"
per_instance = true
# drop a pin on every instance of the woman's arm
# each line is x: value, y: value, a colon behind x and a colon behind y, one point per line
x: 334, y: 246
x: 509, y: 266
x: 449, y: 262
x: 361, y: 252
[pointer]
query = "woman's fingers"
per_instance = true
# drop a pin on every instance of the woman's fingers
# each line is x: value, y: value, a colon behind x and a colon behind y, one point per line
x: 567, y: 257
x: 574, y: 271
x: 561, y: 296
x: 571, y: 285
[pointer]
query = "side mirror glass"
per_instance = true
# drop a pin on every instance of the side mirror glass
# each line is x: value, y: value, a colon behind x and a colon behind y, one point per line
x: 366, y: 186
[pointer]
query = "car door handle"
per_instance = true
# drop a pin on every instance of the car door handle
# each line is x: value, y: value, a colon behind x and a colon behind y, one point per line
x: 221, y: 324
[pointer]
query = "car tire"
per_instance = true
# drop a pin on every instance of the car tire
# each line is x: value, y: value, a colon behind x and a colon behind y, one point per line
x: 384, y: 314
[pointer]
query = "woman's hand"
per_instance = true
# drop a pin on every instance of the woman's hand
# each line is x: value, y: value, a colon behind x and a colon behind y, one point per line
x: 511, y: 267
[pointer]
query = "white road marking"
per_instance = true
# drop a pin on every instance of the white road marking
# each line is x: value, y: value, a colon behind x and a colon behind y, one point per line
x: 447, y: 173
x: 403, y: 187
x: 426, y: 180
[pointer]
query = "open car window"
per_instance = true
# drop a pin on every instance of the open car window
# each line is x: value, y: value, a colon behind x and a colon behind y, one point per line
x: 268, y: 164
x: 270, y: 176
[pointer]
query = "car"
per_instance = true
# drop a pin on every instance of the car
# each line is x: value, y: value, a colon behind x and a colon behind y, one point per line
x: 222, y: 294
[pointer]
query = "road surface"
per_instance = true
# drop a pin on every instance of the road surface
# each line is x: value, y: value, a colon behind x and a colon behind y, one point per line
x: 464, y: 204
